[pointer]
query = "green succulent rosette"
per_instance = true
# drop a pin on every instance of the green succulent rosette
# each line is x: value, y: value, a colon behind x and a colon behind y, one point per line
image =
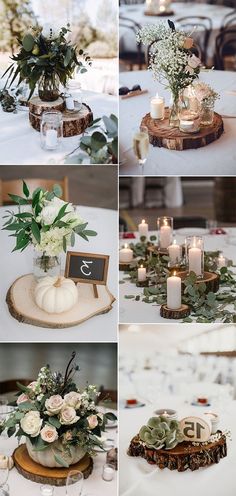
x: 161, y: 432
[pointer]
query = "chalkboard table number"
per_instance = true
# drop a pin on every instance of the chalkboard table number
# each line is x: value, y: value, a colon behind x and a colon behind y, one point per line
x: 88, y: 268
x: 195, y: 429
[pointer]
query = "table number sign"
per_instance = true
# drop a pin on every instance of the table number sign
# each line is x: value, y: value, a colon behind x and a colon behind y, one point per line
x: 87, y: 268
x: 195, y: 429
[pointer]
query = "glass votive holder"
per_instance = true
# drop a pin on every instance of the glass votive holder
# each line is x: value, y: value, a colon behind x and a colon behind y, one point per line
x: 189, y: 122
x: 51, y: 130
x: 108, y: 472
x: 194, y: 248
x: 165, y: 231
x: 46, y: 490
x: 175, y: 253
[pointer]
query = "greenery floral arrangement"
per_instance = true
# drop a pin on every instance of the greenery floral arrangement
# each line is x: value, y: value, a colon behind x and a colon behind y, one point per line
x: 161, y: 432
x: 101, y: 146
x: 44, y: 221
x: 171, y: 58
x: 53, y: 409
x: 206, y: 95
x: 46, y: 53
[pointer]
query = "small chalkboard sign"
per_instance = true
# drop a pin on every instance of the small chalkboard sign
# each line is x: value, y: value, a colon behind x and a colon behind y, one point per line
x: 87, y: 268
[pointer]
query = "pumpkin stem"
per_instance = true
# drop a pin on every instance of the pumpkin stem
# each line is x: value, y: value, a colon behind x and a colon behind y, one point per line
x: 58, y: 282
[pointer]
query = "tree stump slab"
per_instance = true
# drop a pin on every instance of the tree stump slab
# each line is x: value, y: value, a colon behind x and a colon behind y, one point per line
x: 43, y: 475
x: 159, y: 14
x: 22, y: 306
x: 184, y: 456
x: 74, y: 123
x: 164, y: 136
x: 37, y: 106
x: 179, y: 313
x: 211, y: 279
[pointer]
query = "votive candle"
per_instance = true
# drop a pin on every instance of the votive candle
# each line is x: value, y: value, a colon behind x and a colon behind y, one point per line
x: 126, y: 254
x: 174, y: 252
x: 108, y: 472
x: 195, y: 260
x: 173, y: 292
x: 143, y: 228
x: 221, y: 262
x: 165, y: 235
x: 142, y: 273
x: 157, y: 107
x: 51, y: 138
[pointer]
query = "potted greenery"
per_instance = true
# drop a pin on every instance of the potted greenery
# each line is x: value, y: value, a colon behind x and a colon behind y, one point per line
x: 46, y: 58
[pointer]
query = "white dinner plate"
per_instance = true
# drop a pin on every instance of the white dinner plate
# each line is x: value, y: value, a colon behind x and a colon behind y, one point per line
x: 192, y: 231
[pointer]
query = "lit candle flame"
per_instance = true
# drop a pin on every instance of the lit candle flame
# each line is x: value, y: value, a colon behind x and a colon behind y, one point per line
x: 143, y: 221
x: 126, y: 245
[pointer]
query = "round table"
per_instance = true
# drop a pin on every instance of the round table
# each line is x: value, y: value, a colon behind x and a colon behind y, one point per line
x: 218, y: 158
x: 139, y: 312
x: 13, y: 265
x: 181, y: 9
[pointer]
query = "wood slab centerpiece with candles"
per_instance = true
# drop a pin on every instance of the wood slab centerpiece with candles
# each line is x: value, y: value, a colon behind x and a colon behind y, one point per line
x: 191, y: 443
x: 46, y: 298
x: 189, y: 122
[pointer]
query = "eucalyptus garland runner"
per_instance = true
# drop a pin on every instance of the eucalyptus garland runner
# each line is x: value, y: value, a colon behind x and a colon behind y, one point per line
x: 206, y: 307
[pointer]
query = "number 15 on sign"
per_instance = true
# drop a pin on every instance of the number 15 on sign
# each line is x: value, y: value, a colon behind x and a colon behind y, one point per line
x: 195, y: 429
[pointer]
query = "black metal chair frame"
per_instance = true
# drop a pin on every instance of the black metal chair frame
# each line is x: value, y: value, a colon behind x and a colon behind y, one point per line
x: 226, y: 37
x: 201, y: 21
x: 134, y: 27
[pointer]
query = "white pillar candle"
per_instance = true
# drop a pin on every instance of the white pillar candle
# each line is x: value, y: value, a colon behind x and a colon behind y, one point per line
x: 195, y: 260
x: 142, y: 274
x: 221, y: 262
x: 157, y: 107
x: 173, y: 292
x: 174, y: 252
x: 143, y: 229
x: 70, y: 103
x: 126, y: 254
x: 51, y: 138
x: 214, y: 419
x: 108, y: 473
x: 165, y: 236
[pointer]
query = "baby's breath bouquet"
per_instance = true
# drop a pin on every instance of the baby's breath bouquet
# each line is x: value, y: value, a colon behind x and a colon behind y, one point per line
x: 46, y: 222
x: 60, y: 421
x: 171, y: 59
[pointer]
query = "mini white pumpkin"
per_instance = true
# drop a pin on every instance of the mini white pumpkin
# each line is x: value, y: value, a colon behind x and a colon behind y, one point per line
x: 56, y: 294
x: 6, y: 462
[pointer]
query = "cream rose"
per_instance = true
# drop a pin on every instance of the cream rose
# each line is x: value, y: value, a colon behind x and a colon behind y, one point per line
x: 33, y: 385
x: 49, y: 434
x: 188, y: 43
x: 31, y: 423
x: 92, y: 421
x: 22, y: 398
x: 54, y: 404
x: 68, y: 415
x: 193, y: 61
x: 73, y: 399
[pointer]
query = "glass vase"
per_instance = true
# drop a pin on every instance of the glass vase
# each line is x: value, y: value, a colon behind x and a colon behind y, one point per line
x: 207, y: 114
x: 189, y: 111
x: 51, y: 130
x: 45, y: 265
x: 48, y: 87
x: 174, y: 110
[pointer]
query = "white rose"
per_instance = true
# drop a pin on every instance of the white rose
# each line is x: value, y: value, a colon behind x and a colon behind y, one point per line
x: 49, y: 32
x: 92, y: 421
x: 194, y: 61
x: 68, y: 416
x: 51, y: 210
x: 49, y: 434
x: 54, y: 404
x: 31, y: 423
x: 73, y: 399
x: 22, y: 398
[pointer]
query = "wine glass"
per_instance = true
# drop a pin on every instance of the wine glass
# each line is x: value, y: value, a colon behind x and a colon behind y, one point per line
x: 74, y: 483
x: 4, y: 474
x: 141, y: 144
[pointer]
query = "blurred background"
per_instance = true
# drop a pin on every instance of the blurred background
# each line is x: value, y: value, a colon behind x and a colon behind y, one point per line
x: 81, y: 185
x: 192, y: 201
x: 93, y: 28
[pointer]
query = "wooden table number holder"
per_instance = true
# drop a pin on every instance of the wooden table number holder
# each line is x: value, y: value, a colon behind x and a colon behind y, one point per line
x: 87, y: 268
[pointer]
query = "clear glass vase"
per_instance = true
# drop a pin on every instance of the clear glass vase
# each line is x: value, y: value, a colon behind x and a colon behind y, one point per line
x: 44, y: 265
x: 174, y: 110
x: 207, y: 114
x: 189, y: 111
x: 48, y: 87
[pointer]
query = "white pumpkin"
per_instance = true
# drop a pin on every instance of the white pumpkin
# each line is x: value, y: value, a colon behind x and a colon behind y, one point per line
x: 56, y: 294
x: 6, y: 462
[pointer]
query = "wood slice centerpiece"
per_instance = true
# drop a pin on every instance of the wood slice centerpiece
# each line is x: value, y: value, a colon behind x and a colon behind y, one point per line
x: 164, y: 136
x: 179, y: 313
x: 184, y: 456
x: 22, y: 306
x: 211, y: 279
x: 159, y: 14
x: 43, y: 475
x: 74, y: 123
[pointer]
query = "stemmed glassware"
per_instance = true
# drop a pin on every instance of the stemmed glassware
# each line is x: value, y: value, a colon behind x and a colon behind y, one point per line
x: 141, y: 145
x: 74, y: 483
x: 4, y: 473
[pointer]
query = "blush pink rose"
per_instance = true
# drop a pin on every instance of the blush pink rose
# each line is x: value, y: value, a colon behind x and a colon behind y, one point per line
x: 22, y: 398
x: 92, y: 421
x: 73, y: 399
x: 54, y: 404
x: 49, y: 434
x: 68, y: 415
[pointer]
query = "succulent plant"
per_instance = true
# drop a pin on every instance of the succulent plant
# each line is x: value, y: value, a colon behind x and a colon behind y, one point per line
x: 161, y: 432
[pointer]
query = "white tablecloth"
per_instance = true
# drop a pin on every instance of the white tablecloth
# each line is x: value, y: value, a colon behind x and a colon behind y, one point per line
x: 20, y: 143
x: 137, y: 477
x: 13, y: 265
x: 139, y: 312
x: 218, y: 158
x: 94, y: 485
x: 136, y: 13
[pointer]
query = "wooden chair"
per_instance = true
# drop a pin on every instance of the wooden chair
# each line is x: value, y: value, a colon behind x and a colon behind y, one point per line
x: 132, y: 57
x: 14, y: 186
x: 200, y: 36
x: 181, y: 222
x: 156, y: 185
x: 10, y: 386
x: 125, y: 188
x: 225, y: 50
